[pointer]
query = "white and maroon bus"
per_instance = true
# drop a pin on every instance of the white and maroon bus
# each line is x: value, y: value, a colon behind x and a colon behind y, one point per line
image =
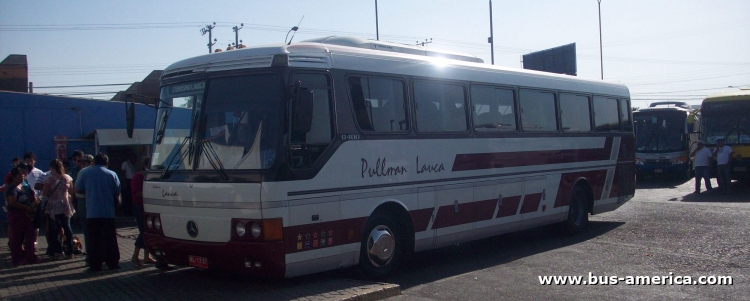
x: 287, y: 160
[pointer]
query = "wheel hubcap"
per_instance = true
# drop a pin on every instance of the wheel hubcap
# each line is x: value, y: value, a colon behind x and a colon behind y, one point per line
x: 380, y: 246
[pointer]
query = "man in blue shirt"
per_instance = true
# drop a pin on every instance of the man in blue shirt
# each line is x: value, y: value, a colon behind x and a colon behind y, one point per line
x: 101, y: 188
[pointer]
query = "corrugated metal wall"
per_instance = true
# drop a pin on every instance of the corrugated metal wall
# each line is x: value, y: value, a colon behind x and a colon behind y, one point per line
x: 29, y: 122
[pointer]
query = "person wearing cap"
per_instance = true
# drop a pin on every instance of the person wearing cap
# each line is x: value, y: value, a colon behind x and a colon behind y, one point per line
x: 87, y: 161
x: 722, y: 154
x: 702, y: 158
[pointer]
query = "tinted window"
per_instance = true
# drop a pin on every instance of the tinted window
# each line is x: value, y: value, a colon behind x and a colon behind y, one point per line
x: 538, y: 111
x: 306, y: 147
x: 625, y: 113
x: 378, y: 104
x: 493, y: 109
x: 574, y: 113
x: 606, y: 115
x: 440, y: 107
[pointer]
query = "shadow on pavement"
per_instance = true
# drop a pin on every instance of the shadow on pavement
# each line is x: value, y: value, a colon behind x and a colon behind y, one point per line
x: 429, y: 266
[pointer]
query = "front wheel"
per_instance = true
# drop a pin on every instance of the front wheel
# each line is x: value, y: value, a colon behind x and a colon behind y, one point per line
x: 578, y: 215
x: 382, y: 246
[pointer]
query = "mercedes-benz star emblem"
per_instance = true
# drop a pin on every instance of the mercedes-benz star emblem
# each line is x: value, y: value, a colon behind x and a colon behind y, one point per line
x: 192, y: 229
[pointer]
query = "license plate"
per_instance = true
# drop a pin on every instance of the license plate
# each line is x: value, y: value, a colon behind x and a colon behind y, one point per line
x: 740, y: 169
x: 658, y: 170
x: 198, y: 262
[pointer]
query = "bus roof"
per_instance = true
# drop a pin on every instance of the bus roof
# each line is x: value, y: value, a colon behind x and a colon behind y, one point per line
x: 377, y: 56
x: 729, y: 96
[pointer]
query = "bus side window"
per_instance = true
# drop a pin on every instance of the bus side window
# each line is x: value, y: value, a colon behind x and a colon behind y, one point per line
x: 493, y: 109
x: 606, y: 115
x: 574, y: 113
x: 538, y: 111
x: 625, y: 113
x: 378, y: 104
x: 307, y: 147
x: 440, y: 107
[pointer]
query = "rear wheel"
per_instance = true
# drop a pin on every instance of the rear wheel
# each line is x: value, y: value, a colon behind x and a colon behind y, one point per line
x: 578, y: 215
x: 382, y: 246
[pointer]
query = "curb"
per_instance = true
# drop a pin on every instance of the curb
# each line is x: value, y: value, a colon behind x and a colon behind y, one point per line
x: 385, y: 291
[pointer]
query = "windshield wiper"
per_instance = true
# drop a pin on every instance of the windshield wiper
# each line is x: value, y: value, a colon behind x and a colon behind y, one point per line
x: 185, y: 141
x: 208, y: 149
x: 213, y: 159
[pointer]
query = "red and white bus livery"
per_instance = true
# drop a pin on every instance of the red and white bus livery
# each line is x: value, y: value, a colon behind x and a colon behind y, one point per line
x: 288, y: 160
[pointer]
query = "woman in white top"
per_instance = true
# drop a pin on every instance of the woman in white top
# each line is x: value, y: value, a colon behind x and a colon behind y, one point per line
x: 58, y: 189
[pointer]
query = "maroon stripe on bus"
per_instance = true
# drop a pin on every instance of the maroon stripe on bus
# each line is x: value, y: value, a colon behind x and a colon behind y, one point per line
x: 421, y: 218
x: 595, y: 178
x: 483, y: 210
x: 509, y: 207
x: 464, y: 162
x: 531, y: 203
x: 447, y: 216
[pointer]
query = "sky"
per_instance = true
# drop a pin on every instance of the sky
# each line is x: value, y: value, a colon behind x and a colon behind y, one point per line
x: 662, y: 50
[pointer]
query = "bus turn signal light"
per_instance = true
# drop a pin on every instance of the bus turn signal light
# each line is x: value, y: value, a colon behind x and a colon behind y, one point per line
x: 273, y: 229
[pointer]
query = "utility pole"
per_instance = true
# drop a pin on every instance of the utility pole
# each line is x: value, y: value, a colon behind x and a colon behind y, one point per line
x: 424, y: 43
x: 236, y: 34
x: 208, y: 30
x: 601, y: 56
x: 377, y: 33
x: 491, y: 40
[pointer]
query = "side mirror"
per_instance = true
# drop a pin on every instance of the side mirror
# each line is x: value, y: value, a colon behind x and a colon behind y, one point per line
x: 130, y: 118
x: 302, y: 111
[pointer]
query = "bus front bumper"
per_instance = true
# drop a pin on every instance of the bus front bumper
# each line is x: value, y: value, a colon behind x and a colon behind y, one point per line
x: 662, y: 169
x: 263, y: 259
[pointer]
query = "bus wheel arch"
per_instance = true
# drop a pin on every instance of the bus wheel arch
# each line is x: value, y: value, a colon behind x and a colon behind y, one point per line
x: 387, y: 237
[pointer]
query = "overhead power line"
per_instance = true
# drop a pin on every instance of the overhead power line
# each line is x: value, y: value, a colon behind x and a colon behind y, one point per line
x: 76, y: 86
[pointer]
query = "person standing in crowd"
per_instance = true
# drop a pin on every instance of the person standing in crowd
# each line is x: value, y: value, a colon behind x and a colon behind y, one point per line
x: 58, y: 189
x: 35, y: 178
x: 702, y: 159
x: 21, y: 209
x: 77, y: 158
x: 723, y: 153
x: 87, y: 160
x: 8, y: 178
x: 102, y: 189
x: 6, y: 182
x: 128, y: 168
x: 137, y: 191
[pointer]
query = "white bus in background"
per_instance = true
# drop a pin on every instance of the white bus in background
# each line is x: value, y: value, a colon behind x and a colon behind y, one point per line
x: 287, y: 160
x: 662, y: 138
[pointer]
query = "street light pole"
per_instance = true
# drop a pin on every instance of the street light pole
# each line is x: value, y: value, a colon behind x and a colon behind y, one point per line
x: 492, y: 37
x: 377, y: 33
x: 601, y: 57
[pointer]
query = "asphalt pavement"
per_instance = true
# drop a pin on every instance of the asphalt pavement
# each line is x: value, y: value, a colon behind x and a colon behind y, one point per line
x: 665, y: 231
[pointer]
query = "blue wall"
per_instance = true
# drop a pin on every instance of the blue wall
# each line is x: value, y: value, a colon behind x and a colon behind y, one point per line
x: 29, y: 122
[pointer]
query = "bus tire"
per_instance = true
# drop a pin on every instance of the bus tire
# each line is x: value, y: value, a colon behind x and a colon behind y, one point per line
x: 382, y: 246
x: 578, y: 215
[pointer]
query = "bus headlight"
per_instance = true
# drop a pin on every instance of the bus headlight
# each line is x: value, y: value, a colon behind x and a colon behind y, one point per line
x: 680, y: 160
x: 239, y: 228
x: 150, y: 221
x: 255, y: 230
x: 157, y: 223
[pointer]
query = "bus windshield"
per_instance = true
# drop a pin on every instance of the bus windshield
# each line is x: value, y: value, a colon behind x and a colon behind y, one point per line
x: 733, y: 127
x: 222, y: 123
x: 660, y: 132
